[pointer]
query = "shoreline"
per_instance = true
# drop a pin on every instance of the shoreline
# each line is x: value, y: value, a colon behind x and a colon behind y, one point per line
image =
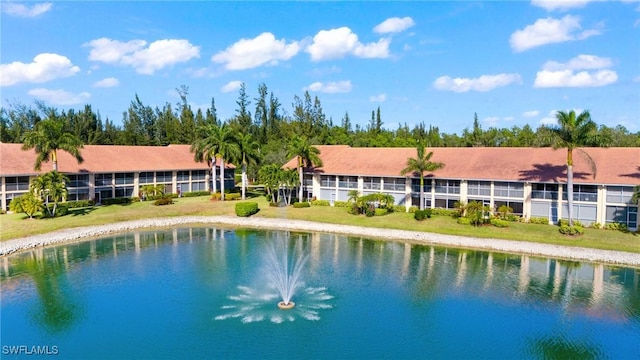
x: 507, y: 246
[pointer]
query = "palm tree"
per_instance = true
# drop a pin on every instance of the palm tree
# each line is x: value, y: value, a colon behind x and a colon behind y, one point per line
x: 249, y: 150
x: 218, y: 142
x: 50, y: 187
x: 571, y: 133
x: 306, y: 154
x: 47, y: 138
x: 420, y: 164
x: 268, y: 175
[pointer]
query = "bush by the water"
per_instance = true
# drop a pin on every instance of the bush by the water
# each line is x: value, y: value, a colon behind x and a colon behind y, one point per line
x: 163, y: 201
x: 245, y: 209
x: 298, y: 205
x: 380, y: 212
x: 320, y: 203
x: 118, y: 200
x: 79, y: 204
x: 464, y: 221
x: 196, y: 193
x: 539, y: 220
x: 500, y: 223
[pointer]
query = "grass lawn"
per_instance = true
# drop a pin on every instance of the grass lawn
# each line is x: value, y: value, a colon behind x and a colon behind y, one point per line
x: 17, y: 225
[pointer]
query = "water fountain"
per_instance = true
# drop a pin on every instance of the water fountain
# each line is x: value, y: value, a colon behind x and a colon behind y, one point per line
x: 285, y: 268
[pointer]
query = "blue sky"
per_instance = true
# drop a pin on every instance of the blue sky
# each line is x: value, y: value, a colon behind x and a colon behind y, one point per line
x: 511, y: 62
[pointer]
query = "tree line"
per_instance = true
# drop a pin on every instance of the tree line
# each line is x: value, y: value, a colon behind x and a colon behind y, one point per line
x: 268, y: 121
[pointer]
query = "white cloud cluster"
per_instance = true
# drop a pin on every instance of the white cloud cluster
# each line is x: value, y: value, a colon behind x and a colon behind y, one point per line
x: 378, y: 98
x: 554, y: 74
x: 231, y: 86
x: 340, y: 42
x: 261, y: 50
x: 60, y: 97
x: 482, y: 83
x: 549, y: 31
x: 43, y: 68
x: 561, y: 5
x: 19, y: 10
x: 157, y: 55
x: 107, y: 83
x: 394, y: 25
x: 532, y: 113
x: 331, y: 87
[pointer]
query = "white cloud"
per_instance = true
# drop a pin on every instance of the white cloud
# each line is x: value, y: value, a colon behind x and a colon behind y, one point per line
x: 157, y: 55
x: 331, y: 87
x: 483, y: 83
x: 107, y: 83
x: 43, y: 68
x: 532, y: 113
x: 547, y: 121
x: 561, y: 5
x: 394, y: 25
x: 340, y: 42
x: 251, y: 53
x: 378, y: 98
x: 231, y: 86
x: 567, y: 78
x: 554, y: 74
x: 59, y: 97
x: 549, y: 31
x: 20, y: 10
x: 580, y: 62
x: 491, y: 120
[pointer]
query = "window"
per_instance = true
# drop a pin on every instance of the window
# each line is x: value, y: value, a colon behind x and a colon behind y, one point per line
x: 164, y: 176
x: 328, y: 181
x: 124, y: 178
x: 198, y: 186
x: 619, y: 194
x: 76, y: 181
x: 308, y: 180
x: 544, y: 191
x: 446, y: 203
x: 349, y: 182
x: 394, y: 184
x: 198, y: 174
x: 623, y: 214
x: 508, y: 189
x: 587, y: 193
x: 124, y: 191
x: 104, y: 179
x: 447, y: 187
x: 515, y: 205
x: 16, y: 183
x: 482, y: 188
x: 145, y: 178
x: 78, y: 194
x: 415, y: 185
x: 183, y: 175
x: 371, y: 183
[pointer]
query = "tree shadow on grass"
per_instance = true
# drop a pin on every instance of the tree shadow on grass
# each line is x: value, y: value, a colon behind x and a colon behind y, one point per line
x: 81, y: 211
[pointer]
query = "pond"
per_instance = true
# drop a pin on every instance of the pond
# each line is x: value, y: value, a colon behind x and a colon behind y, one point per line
x: 206, y: 292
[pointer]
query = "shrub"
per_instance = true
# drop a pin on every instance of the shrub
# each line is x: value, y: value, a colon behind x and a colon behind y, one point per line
x: 513, y: 218
x: 616, y: 226
x: 381, y: 211
x: 464, y: 221
x: 26, y: 203
x: 79, y: 204
x: 422, y: 214
x: 216, y: 196
x: 232, y: 196
x: 500, y: 223
x: 320, y: 203
x: 571, y: 230
x: 298, y: 205
x: 61, y: 210
x: 196, y: 193
x: 595, y: 225
x: 399, y: 208
x: 539, y: 220
x: 413, y: 209
x: 446, y: 212
x: 566, y: 222
x: 370, y: 212
x: 340, y: 203
x: 116, y: 201
x: 163, y: 201
x: 246, y: 209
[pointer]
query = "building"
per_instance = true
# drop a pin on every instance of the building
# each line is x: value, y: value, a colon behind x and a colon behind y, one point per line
x: 532, y: 181
x: 110, y: 171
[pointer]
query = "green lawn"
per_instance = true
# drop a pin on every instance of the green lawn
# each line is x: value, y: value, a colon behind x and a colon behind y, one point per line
x: 17, y: 225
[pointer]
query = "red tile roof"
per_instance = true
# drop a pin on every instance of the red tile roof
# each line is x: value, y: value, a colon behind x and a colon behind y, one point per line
x: 614, y: 165
x: 103, y: 158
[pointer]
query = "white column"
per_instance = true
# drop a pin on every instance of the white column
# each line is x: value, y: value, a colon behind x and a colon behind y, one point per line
x: 136, y: 184
x: 433, y: 193
x: 560, y: 187
x: 360, y: 184
x: 601, y: 208
x: 464, y: 190
x: 407, y: 193
x: 526, y: 202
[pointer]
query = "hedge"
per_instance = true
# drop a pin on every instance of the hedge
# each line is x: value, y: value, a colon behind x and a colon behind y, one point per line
x: 78, y: 204
x: 320, y: 203
x: 571, y: 230
x: 298, y: 205
x: 196, y: 193
x: 246, y: 209
x: 422, y: 214
x: 118, y: 200
x: 163, y: 201
x: 500, y: 223
x: 381, y: 212
x: 539, y: 220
